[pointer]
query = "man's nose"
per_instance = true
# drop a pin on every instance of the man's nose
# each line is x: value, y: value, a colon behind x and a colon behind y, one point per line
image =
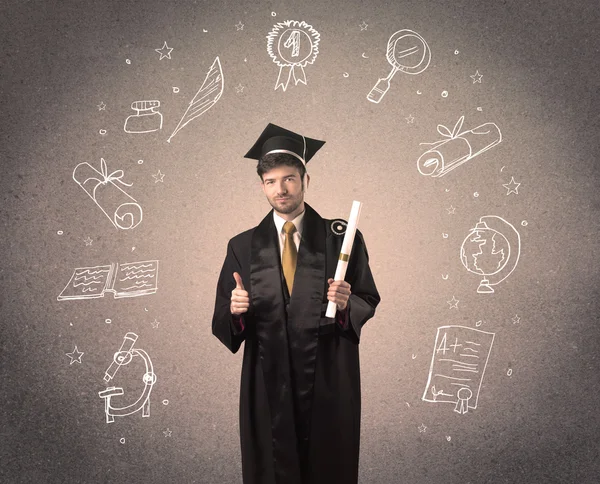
x: 281, y: 188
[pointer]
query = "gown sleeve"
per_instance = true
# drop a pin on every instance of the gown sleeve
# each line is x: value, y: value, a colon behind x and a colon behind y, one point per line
x: 364, y: 296
x: 225, y: 326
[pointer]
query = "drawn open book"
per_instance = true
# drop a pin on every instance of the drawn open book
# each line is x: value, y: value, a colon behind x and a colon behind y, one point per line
x: 123, y: 280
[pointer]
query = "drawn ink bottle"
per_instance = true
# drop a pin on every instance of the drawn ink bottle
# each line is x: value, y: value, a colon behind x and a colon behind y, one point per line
x: 146, y: 119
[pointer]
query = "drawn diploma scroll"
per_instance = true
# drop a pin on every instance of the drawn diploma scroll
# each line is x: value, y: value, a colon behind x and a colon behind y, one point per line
x: 206, y: 97
x: 121, y: 358
x: 460, y: 356
x: 292, y: 45
x: 104, y: 188
x: 457, y: 148
x: 342, y: 265
x: 123, y: 280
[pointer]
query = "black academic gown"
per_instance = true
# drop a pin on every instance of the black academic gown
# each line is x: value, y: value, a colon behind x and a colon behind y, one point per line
x: 300, y: 383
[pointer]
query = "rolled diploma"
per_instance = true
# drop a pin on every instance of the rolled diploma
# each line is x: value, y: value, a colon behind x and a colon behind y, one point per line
x: 120, y: 207
x: 342, y: 265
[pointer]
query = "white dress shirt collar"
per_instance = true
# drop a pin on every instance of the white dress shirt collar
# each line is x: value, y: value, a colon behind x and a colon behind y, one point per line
x: 298, y: 222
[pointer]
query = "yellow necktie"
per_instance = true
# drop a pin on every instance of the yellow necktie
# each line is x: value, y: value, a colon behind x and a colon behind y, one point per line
x: 288, y: 257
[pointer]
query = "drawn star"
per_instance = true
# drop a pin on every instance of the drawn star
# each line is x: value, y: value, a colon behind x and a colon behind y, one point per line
x: 512, y: 186
x: 155, y: 323
x: 102, y: 106
x: 88, y: 241
x: 516, y: 319
x: 453, y: 303
x: 451, y: 209
x: 239, y: 88
x: 476, y: 77
x: 239, y: 26
x: 422, y: 428
x: 363, y: 25
x: 159, y: 177
x: 75, y: 356
x: 164, y: 51
x: 167, y: 432
x: 410, y: 119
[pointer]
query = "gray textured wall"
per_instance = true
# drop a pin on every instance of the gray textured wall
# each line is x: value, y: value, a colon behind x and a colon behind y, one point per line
x: 536, y: 418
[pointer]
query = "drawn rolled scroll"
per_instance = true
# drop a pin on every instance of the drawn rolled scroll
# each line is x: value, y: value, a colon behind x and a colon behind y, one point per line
x: 121, y: 208
x: 457, y: 147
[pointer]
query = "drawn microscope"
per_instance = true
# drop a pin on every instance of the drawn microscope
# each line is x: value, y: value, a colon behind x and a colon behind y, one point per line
x: 123, y: 357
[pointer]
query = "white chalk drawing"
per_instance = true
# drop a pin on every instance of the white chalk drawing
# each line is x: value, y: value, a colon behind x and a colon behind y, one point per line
x: 167, y: 432
x: 444, y: 93
x: 451, y: 209
x: 422, y: 428
x: 88, y: 241
x: 128, y: 61
x: 123, y: 280
x: 410, y: 119
x: 363, y: 25
x: 75, y: 356
x: 453, y: 303
x: 101, y: 106
x: 164, y: 51
x: 512, y: 186
x: 460, y: 357
x: 445, y: 277
x: 206, y: 97
x: 105, y: 190
x: 516, y: 319
x: 407, y: 52
x: 457, y: 147
x: 491, y: 250
x: 159, y: 177
x: 364, y: 56
x: 121, y: 358
x: 155, y: 323
x: 239, y: 89
x: 292, y: 45
x: 146, y: 119
x: 239, y: 26
x: 476, y: 77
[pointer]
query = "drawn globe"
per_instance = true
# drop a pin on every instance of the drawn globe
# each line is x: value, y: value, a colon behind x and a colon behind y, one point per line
x: 484, y: 251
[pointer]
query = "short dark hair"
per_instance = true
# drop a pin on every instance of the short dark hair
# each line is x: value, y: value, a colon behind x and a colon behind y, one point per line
x: 273, y: 160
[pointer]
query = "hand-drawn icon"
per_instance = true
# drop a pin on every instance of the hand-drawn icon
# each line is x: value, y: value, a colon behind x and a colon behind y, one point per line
x: 146, y: 118
x: 206, y: 97
x: 363, y: 25
x: 88, y: 241
x: 164, y: 51
x: 101, y: 106
x: 453, y: 303
x: 476, y: 77
x: 516, y: 319
x: 292, y: 44
x: 457, y: 351
x: 451, y: 210
x: 128, y: 61
x: 422, y: 428
x: 155, y: 323
x: 444, y: 93
x: 123, y: 280
x: 239, y: 26
x: 121, y: 358
x: 408, y: 52
x: 159, y: 177
x: 167, y: 432
x: 75, y: 356
x: 491, y: 249
x: 512, y: 186
x: 103, y: 189
x: 459, y: 147
x: 410, y: 119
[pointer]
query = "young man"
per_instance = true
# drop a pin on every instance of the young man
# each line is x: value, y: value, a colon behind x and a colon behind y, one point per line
x: 300, y: 383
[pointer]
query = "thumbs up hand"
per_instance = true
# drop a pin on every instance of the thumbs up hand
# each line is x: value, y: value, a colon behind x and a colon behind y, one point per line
x: 240, y: 301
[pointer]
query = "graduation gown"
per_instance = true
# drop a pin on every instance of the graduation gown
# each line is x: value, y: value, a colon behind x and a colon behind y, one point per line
x: 300, y: 384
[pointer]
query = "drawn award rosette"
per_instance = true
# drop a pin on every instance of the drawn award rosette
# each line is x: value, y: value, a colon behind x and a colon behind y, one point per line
x: 292, y: 45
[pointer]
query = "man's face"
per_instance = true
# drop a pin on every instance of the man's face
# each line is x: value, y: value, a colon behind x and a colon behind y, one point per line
x: 284, y: 188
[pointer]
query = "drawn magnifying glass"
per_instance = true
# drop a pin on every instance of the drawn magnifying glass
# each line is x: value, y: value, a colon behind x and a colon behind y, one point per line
x: 408, y: 52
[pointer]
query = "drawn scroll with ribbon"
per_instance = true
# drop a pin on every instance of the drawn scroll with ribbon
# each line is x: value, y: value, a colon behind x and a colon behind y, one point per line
x: 105, y: 189
x: 292, y: 45
x: 457, y: 147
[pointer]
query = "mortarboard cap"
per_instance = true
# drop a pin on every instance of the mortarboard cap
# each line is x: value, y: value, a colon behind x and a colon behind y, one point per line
x: 275, y: 139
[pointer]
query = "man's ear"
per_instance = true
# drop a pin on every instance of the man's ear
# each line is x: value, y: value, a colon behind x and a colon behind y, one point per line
x: 307, y: 180
x: 262, y: 185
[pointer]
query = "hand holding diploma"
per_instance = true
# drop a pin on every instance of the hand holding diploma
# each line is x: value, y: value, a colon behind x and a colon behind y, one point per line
x: 339, y: 291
